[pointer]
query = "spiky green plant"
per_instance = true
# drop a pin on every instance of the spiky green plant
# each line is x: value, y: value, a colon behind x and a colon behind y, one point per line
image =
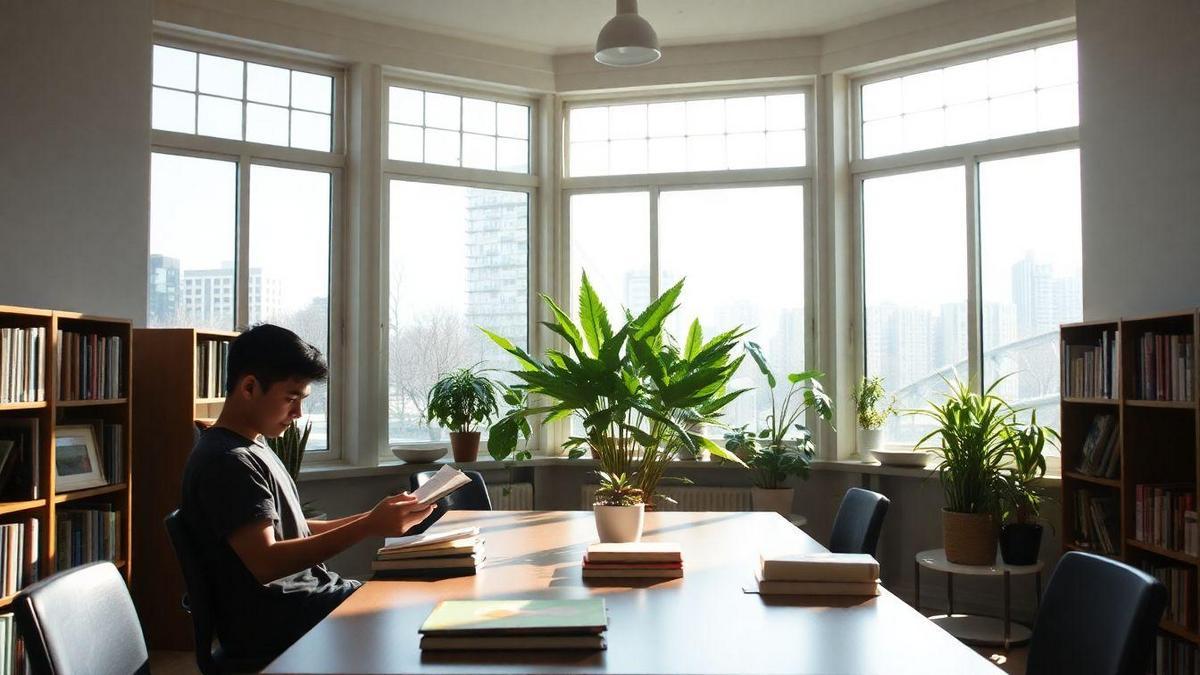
x: 289, y: 446
x: 462, y: 399
x: 1026, y: 445
x: 616, y: 490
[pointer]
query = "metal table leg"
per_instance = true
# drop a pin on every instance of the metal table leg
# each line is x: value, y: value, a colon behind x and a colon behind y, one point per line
x: 1007, y: 617
x: 917, y: 586
x: 1037, y: 587
x: 949, y: 593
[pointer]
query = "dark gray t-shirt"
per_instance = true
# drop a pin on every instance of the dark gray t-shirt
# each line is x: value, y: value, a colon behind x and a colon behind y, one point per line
x: 231, y: 481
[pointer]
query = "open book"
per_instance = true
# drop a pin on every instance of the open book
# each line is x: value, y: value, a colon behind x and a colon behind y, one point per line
x: 446, y: 480
x: 427, y: 540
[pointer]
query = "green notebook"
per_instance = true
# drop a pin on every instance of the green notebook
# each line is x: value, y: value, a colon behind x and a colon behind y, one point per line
x: 516, y: 617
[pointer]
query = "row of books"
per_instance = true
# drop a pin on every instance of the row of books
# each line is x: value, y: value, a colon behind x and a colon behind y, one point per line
x: 12, y: 648
x: 212, y: 357
x: 1165, y: 367
x: 18, y: 555
x: 88, y: 535
x: 90, y: 366
x: 22, y: 375
x: 1096, y: 523
x: 1165, y: 515
x: 473, y: 625
x: 434, y: 553
x: 639, y: 560
x: 1173, y: 656
x: 853, y: 574
x: 112, y: 453
x: 1100, y: 455
x: 19, y: 459
x: 1090, y: 371
x: 1181, y: 591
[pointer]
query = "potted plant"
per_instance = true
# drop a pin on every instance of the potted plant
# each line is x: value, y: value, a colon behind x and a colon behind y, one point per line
x: 972, y: 430
x: 620, y: 512
x: 639, y: 395
x: 1021, y: 539
x: 770, y: 452
x: 289, y: 447
x: 460, y: 401
x: 872, y: 413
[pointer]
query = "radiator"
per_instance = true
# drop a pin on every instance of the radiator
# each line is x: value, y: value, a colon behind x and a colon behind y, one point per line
x: 519, y: 497
x: 688, y: 498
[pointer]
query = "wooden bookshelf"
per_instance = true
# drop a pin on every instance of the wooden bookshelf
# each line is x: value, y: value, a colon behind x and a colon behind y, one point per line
x: 165, y: 411
x: 50, y: 413
x: 1157, y: 444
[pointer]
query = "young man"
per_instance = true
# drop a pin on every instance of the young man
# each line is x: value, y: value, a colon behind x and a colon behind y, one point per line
x: 264, y: 560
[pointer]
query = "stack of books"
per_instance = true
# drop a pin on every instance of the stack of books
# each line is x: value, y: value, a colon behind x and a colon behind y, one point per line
x: 1099, y: 455
x: 472, y: 625
x: 1090, y: 371
x: 22, y: 361
x: 1097, y: 526
x: 90, y: 366
x: 819, y: 574
x: 641, y: 560
x: 438, y: 552
x: 1165, y: 367
x: 1165, y: 515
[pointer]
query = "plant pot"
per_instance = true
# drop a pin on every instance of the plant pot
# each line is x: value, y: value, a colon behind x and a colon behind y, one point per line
x: 464, y: 445
x: 778, y: 500
x: 1020, y: 543
x: 868, y: 440
x: 619, y: 524
x: 969, y: 538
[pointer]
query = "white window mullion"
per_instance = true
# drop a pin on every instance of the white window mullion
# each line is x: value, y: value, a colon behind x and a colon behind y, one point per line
x: 974, y: 289
x: 242, y: 262
x: 654, y: 285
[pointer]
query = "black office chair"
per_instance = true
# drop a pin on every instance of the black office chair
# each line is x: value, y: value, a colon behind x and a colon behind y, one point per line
x: 473, y: 497
x: 211, y: 659
x: 858, y: 522
x: 1099, y: 617
x: 81, y: 621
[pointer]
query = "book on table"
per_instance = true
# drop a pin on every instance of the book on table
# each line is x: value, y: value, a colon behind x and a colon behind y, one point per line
x: 515, y: 624
x: 818, y: 574
x: 437, y: 552
x: 646, y: 560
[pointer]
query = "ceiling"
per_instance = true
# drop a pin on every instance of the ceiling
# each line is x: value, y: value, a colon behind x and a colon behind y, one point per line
x: 561, y: 26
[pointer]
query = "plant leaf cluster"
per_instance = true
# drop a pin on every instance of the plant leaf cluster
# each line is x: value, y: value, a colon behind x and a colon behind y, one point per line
x: 462, y: 400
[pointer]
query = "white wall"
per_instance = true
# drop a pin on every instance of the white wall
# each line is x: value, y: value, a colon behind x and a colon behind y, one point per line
x: 74, y: 155
x: 1139, y: 90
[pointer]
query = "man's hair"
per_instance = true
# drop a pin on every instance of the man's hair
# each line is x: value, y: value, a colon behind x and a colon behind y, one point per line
x: 273, y: 354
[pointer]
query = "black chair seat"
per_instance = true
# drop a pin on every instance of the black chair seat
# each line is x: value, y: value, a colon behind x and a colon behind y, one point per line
x: 858, y: 522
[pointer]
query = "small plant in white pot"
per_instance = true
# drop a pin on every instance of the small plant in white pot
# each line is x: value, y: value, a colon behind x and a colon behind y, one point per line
x: 619, y: 508
x: 783, y: 447
x: 461, y: 401
x: 872, y: 413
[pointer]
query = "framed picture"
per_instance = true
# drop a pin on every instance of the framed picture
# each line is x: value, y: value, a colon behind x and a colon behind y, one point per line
x: 76, y: 458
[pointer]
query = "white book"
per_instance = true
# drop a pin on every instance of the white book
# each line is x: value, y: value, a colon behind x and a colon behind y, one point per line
x: 820, y: 567
x: 446, y: 480
x: 432, y: 536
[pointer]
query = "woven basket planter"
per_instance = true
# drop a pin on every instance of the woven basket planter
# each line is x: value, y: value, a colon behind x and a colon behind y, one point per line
x: 969, y: 538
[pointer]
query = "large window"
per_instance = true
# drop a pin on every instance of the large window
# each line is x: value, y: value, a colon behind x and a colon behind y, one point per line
x: 474, y: 133
x: 971, y: 254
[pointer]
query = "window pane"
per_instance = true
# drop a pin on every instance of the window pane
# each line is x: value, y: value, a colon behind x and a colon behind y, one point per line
x: 589, y: 124
x: 922, y: 91
x: 745, y: 114
x: 915, y: 273
x: 474, y: 243
x: 881, y: 99
x: 1012, y: 73
x: 668, y: 154
x: 785, y: 111
x: 705, y: 117
x: 1058, y: 107
x: 175, y: 68
x: 406, y: 105
x: 442, y: 147
x: 174, y: 111
x: 666, y: 119
x: 289, y: 266
x: 266, y: 124
x: 766, y: 295
x: 1011, y: 115
x: 610, y: 240
x: 512, y: 155
x: 406, y: 143
x: 1031, y: 245
x: 193, y: 226
x: 786, y: 148
x: 746, y: 151
x: 267, y: 84
x: 627, y: 121
x: 589, y: 158
x: 312, y: 92
x: 221, y: 117
x: 479, y: 116
x: 479, y: 152
x: 706, y: 153
x: 310, y: 130
x: 512, y: 120
x: 627, y: 156
x: 221, y: 76
x: 442, y: 111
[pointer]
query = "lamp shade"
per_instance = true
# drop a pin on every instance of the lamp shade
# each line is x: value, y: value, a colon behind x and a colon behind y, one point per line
x: 627, y: 39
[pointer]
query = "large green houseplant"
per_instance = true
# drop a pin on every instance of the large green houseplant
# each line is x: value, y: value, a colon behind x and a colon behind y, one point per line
x: 1021, y: 534
x: 461, y: 401
x: 783, y: 446
x: 638, y: 395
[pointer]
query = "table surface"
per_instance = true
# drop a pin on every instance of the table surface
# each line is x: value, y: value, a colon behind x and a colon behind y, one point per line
x: 703, y: 623
x: 935, y: 559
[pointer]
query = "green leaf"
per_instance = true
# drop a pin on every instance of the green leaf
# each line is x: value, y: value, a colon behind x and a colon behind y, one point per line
x: 567, y: 327
x: 718, y: 451
x: 593, y: 316
x: 650, y: 321
x: 756, y: 354
x: 695, y: 341
x: 814, y: 375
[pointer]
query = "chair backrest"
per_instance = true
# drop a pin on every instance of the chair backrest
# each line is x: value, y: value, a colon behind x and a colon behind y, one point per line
x: 473, y: 497
x: 858, y: 522
x: 199, y: 596
x: 81, y: 620
x: 1099, y: 616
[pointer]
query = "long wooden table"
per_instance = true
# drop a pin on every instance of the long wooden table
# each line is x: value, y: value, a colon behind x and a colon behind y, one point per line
x: 703, y: 623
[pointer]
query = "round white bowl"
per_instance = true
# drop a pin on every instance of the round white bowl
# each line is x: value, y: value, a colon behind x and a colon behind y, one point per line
x: 917, y: 458
x: 419, y: 455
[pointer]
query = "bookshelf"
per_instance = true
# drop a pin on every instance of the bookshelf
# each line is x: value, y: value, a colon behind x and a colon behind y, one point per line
x: 167, y: 373
x: 1156, y: 440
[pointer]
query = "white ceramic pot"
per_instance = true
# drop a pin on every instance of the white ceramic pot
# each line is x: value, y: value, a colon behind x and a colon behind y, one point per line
x: 778, y: 500
x: 868, y: 440
x: 620, y: 524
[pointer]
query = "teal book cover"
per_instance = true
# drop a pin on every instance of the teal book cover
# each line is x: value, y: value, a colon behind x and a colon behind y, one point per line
x: 516, y: 617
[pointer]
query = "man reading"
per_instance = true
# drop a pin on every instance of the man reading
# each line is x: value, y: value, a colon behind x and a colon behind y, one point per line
x: 265, y: 561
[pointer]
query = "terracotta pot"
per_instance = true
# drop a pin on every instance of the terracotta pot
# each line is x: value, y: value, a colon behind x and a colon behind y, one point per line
x: 778, y: 500
x: 464, y: 445
x: 969, y: 538
x: 619, y: 524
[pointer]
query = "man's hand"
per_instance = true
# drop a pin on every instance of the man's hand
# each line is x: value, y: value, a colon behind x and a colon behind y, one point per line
x: 394, y: 515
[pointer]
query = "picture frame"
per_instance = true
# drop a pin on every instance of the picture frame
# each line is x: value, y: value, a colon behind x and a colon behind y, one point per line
x: 77, y: 463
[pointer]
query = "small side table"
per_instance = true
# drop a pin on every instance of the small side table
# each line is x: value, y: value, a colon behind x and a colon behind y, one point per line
x: 975, y: 629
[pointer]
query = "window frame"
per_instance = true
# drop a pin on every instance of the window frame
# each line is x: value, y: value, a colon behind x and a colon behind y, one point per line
x: 394, y: 169
x: 968, y: 156
x: 245, y: 154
